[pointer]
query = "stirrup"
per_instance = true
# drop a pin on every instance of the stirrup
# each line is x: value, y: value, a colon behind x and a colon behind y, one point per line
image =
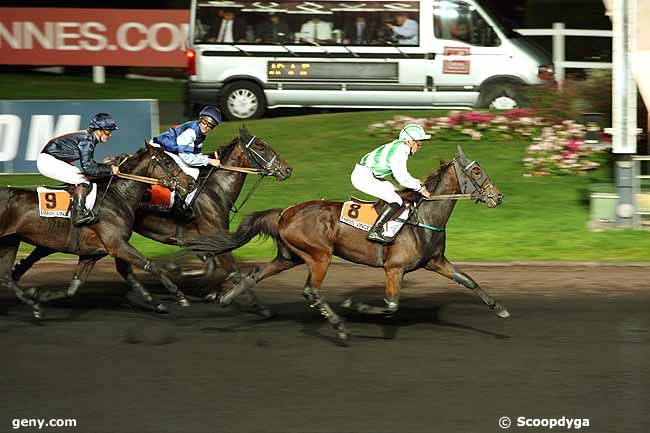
x: 85, y: 218
x: 379, y: 237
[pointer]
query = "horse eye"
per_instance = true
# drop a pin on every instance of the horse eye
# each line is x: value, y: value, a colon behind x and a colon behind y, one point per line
x: 476, y: 172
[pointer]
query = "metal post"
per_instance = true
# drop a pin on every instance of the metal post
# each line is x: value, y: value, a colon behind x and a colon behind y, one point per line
x: 99, y: 75
x: 624, y: 109
x: 558, y: 52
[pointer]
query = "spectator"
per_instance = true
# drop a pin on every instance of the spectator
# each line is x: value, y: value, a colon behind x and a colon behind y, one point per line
x: 228, y: 30
x: 405, y: 30
x: 360, y: 32
x: 274, y: 31
x: 316, y: 30
x: 460, y: 32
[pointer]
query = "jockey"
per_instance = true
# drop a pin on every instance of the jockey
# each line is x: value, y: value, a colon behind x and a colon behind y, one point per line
x: 56, y: 158
x: 389, y: 159
x: 184, y: 143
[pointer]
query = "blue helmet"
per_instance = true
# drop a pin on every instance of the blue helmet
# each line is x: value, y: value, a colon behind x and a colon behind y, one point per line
x: 103, y: 121
x: 211, y: 115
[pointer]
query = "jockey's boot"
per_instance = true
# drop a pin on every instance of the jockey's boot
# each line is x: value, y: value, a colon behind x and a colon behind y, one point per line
x: 376, y: 232
x: 182, y: 211
x: 79, y: 215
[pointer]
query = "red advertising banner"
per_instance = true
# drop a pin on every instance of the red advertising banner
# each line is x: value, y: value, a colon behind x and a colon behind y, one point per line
x: 101, y: 37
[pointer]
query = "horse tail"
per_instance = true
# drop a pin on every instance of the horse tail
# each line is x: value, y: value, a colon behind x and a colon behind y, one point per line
x: 263, y: 222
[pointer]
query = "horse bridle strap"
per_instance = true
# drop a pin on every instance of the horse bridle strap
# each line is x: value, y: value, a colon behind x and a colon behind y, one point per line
x: 241, y: 169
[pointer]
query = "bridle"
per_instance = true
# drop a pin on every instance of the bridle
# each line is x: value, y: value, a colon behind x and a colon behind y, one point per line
x: 265, y: 163
x: 473, y: 180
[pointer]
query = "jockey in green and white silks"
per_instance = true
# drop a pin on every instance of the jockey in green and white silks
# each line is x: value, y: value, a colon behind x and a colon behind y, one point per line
x: 391, y: 158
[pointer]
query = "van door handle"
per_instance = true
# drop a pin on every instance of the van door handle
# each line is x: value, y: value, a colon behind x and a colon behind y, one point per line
x: 430, y: 56
x: 429, y: 83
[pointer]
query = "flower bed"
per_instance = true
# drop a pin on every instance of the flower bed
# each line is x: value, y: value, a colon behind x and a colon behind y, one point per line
x: 556, y: 149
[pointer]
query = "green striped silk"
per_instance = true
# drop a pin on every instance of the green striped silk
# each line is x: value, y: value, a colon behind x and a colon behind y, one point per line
x: 379, y: 159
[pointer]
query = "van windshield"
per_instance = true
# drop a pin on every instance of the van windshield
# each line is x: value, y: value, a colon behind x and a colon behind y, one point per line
x: 350, y: 22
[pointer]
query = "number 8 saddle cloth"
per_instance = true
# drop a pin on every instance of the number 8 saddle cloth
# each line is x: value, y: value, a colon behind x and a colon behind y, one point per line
x: 362, y: 214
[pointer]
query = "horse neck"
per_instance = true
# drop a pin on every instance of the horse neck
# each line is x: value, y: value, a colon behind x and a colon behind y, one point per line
x: 437, y: 212
x: 229, y: 184
x: 130, y: 192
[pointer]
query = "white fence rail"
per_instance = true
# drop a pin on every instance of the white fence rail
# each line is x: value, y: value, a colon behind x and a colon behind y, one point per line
x: 559, y: 34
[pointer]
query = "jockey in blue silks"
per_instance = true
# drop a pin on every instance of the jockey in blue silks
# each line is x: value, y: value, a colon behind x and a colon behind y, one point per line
x: 184, y: 143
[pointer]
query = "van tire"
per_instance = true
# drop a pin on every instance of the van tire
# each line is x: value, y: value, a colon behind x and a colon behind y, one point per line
x: 242, y: 100
x: 501, y: 96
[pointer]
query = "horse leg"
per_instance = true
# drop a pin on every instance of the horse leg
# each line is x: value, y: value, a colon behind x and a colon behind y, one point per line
x: 84, y: 266
x: 126, y: 271
x: 125, y: 251
x: 8, y: 251
x: 25, y: 264
x: 317, y: 270
x: 393, y: 284
x: 278, y: 264
x: 445, y: 268
x: 228, y: 263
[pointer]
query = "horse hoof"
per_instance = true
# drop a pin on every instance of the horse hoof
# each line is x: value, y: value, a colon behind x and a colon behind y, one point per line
x: 37, y: 313
x: 211, y: 297
x: 184, y: 302
x: 503, y: 313
x: 160, y: 308
x: 347, y: 303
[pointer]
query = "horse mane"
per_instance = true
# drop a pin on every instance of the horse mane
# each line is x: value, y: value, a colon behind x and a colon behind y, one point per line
x: 431, y: 182
x: 225, y: 150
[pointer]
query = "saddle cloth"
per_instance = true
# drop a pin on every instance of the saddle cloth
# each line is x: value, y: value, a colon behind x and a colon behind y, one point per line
x: 55, y: 203
x: 158, y: 198
x: 363, y: 215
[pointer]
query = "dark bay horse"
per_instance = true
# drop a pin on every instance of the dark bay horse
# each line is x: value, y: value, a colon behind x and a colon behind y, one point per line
x: 311, y: 233
x: 20, y: 221
x: 212, y: 207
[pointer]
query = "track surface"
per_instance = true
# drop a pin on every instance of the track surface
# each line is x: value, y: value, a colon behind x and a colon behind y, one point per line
x: 577, y: 345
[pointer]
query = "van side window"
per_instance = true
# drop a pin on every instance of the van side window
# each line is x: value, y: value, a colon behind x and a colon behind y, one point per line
x: 347, y: 22
x: 459, y: 21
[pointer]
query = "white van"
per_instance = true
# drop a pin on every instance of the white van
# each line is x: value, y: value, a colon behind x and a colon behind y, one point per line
x: 247, y: 56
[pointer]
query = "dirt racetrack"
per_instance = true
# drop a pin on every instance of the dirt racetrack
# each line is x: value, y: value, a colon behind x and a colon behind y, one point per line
x: 576, y: 346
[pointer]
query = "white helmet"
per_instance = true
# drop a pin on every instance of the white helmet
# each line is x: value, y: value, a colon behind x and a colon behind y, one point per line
x: 413, y: 131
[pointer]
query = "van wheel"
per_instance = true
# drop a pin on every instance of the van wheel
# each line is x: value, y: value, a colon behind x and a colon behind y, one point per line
x: 242, y: 100
x: 502, y: 96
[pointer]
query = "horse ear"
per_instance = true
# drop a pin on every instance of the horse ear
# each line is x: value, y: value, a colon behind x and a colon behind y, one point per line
x: 460, y: 152
x: 148, y: 146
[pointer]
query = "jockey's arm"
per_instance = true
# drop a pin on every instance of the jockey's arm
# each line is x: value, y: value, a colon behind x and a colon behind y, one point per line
x: 89, y: 166
x: 401, y: 174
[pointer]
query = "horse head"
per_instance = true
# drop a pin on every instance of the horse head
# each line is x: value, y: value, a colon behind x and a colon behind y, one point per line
x: 475, y: 181
x: 258, y: 154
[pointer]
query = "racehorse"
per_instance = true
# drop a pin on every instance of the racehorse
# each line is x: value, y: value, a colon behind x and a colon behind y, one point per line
x: 20, y: 221
x: 311, y: 233
x: 212, y: 208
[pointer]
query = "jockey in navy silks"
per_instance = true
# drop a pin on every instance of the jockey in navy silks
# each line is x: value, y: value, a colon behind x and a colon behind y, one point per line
x: 56, y: 158
x: 184, y: 143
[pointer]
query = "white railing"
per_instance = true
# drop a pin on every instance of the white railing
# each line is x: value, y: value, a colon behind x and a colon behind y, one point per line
x: 559, y: 33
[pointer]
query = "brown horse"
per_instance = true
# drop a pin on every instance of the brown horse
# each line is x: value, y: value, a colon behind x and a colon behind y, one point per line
x: 311, y: 233
x: 212, y: 208
x: 20, y: 221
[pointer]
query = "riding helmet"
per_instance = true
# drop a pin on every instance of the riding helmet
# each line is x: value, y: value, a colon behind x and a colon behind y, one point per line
x: 103, y: 121
x: 211, y: 115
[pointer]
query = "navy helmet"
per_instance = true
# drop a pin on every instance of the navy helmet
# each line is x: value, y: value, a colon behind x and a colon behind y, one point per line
x: 103, y: 121
x: 210, y: 115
